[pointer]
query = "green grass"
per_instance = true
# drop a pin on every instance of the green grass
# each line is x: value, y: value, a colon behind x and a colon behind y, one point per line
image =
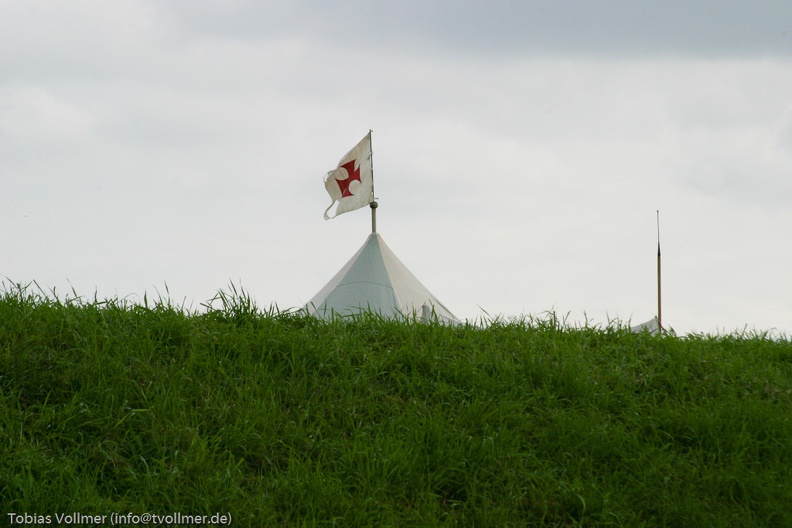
x: 284, y: 420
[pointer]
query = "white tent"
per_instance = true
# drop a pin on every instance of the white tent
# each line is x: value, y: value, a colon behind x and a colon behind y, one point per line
x: 375, y: 280
x: 652, y: 326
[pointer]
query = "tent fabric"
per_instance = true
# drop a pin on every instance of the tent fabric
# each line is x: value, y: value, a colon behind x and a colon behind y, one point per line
x: 652, y: 326
x: 375, y: 280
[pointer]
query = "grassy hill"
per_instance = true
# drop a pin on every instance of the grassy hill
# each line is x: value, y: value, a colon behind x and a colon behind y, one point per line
x: 282, y: 420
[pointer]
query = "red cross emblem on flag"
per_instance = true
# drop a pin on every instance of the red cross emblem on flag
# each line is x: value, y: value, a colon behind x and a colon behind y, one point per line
x: 351, y: 184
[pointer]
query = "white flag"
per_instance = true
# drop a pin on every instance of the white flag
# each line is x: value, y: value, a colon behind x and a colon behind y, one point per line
x: 351, y: 184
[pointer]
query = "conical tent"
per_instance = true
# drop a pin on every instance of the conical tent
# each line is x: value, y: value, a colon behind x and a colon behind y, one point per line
x: 375, y: 280
x: 652, y: 326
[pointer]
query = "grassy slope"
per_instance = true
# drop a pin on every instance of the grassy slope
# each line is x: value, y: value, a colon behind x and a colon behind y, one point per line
x: 282, y: 419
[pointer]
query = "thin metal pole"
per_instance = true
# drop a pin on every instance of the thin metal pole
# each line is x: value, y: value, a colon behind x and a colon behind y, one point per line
x: 371, y: 161
x: 372, y: 203
x: 659, y: 290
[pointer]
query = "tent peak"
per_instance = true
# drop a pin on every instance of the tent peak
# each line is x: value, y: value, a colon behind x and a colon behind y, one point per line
x: 375, y: 280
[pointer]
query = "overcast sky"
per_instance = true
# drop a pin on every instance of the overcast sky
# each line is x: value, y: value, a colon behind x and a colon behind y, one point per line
x: 521, y: 151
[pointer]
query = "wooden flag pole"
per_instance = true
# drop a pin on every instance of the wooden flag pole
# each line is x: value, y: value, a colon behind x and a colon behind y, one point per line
x: 659, y: 297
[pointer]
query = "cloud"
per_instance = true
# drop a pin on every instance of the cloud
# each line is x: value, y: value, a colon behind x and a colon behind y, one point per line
x: 33, y: 115
x: 712, y: 28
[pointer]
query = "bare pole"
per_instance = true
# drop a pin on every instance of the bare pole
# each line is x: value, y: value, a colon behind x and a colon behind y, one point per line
x: 659, y: 290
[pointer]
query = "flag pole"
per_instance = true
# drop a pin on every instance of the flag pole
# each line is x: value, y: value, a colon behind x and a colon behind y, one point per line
x: 659, y: 297
x: 372, y: 203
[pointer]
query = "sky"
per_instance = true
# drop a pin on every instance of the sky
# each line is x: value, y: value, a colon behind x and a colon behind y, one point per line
x: 521, y: 150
